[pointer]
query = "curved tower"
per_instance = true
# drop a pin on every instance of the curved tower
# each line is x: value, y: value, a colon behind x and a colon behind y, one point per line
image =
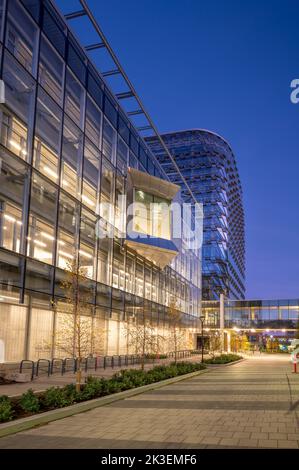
x: 208, y: 163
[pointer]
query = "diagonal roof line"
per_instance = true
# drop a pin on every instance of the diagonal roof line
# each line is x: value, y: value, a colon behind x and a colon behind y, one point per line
x: 133, y: 91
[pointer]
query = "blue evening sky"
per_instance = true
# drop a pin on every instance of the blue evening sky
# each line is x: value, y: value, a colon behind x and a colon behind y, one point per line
x: 225, y: 65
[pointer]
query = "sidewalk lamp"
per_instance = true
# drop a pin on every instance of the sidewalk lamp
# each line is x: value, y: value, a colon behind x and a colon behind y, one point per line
x: 202, y: 319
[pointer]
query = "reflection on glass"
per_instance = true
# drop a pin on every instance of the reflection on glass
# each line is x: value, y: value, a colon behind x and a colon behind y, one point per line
x: 47, y: 136
x: 21, y: 36
x: 74, y: 99
x: 17, y: 113
x: 151, y: 215
x: 51, y: 71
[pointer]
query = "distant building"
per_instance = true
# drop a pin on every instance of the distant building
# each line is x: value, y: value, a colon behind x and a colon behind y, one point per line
x: 208, y: 164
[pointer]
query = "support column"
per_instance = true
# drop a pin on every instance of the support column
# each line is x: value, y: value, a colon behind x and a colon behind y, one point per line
x: 221, y: 302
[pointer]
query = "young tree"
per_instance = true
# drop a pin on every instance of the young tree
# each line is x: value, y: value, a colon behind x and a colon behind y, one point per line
x: 177, y: 337
x: 215, y: 342
x: 142, y: 337
x: 74, y: 333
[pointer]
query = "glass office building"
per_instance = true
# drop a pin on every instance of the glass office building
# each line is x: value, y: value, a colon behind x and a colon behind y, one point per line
x: 66, y: 148
x: 208, y: 164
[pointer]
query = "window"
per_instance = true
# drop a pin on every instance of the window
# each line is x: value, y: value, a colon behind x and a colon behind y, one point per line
x: 76, y: 61
x: 104, y: 260
x: 40, y: 243
x: 94, y: 87
x: 54, y: 31
x: 68, y: 229
x: 16, y: 118
x: 120, y: 204
x: 93, y: 123
x: 151, y: 215
x: 109, y: 141
x: 12, y: 331
x: 74, y: 99
x: 72, y: 158
x: 130, y: 272
x: 118, y: 273
x: 47, y: 136
x: 51, y: 71
x: 41, y: 333
x: 123, y: 129
x: 14, y: 181
x: 122, y: 156
x: 91, y: 176
x: 21, y: 36
x: 139, y: 279
x: 110, y: 111
x: 65, y: 250
x: 87, y: 251
x: 107, y: 191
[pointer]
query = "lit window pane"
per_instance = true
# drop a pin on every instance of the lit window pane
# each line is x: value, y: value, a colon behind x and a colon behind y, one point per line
x: 109, y: 141
x: 93, y: 123
x: 72, y: 158
x: 74, y: 99
x: 21, y: 36
x: 47, y: 136
x: 16, y: 117
x: 51, y: 71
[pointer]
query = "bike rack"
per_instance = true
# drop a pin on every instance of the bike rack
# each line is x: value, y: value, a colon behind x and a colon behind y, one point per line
x: 39, y: 363
x: 32, y: 366
x: 53, y: 365
x: 66, y: 363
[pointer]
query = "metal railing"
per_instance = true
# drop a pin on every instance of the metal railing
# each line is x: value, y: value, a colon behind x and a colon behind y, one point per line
x: 71, y: 365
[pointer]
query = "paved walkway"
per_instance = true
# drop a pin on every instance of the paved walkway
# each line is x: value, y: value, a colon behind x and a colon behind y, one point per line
x: 254, y: 403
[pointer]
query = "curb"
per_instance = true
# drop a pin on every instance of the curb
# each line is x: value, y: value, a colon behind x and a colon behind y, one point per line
x: 23, y: 424
x: 225, y: 365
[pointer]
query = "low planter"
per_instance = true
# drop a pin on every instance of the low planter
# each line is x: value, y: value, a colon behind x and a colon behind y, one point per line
x: 223, y: 360
x: 31, y: 409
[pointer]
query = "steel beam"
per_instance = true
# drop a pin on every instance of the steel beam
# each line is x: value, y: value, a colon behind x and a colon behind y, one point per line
x: 92, y: 47
x: 75, y: 14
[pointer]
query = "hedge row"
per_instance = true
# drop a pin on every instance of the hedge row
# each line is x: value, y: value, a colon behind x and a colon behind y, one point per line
x: 223, y: 359
x: 56, y: 397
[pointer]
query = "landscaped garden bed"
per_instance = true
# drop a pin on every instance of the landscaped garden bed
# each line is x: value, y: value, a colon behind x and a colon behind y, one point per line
x: 31, y: 403
x: 223, y: 359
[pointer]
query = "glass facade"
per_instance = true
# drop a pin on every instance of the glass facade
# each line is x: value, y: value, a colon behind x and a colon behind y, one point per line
x: 65, y: 149
x: 208, y: 164
x: 253, y: 314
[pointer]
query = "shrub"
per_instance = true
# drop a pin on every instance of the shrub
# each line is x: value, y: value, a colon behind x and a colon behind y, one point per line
x: 223, y: 359
x: 70, y: 393
x: 30, y: 402
x: 55, y: 397
x: 92, y: 389
x: 6, y: 409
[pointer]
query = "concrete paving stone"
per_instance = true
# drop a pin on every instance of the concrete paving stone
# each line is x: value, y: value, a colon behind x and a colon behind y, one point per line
x: 278, y: 435
x: 210, y: 440
x: 252, y: 443
x: 272, y: 443
x: 259, y: 435
x: 242, y: 435
x: 229, y: 442
x: 286, y: 444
